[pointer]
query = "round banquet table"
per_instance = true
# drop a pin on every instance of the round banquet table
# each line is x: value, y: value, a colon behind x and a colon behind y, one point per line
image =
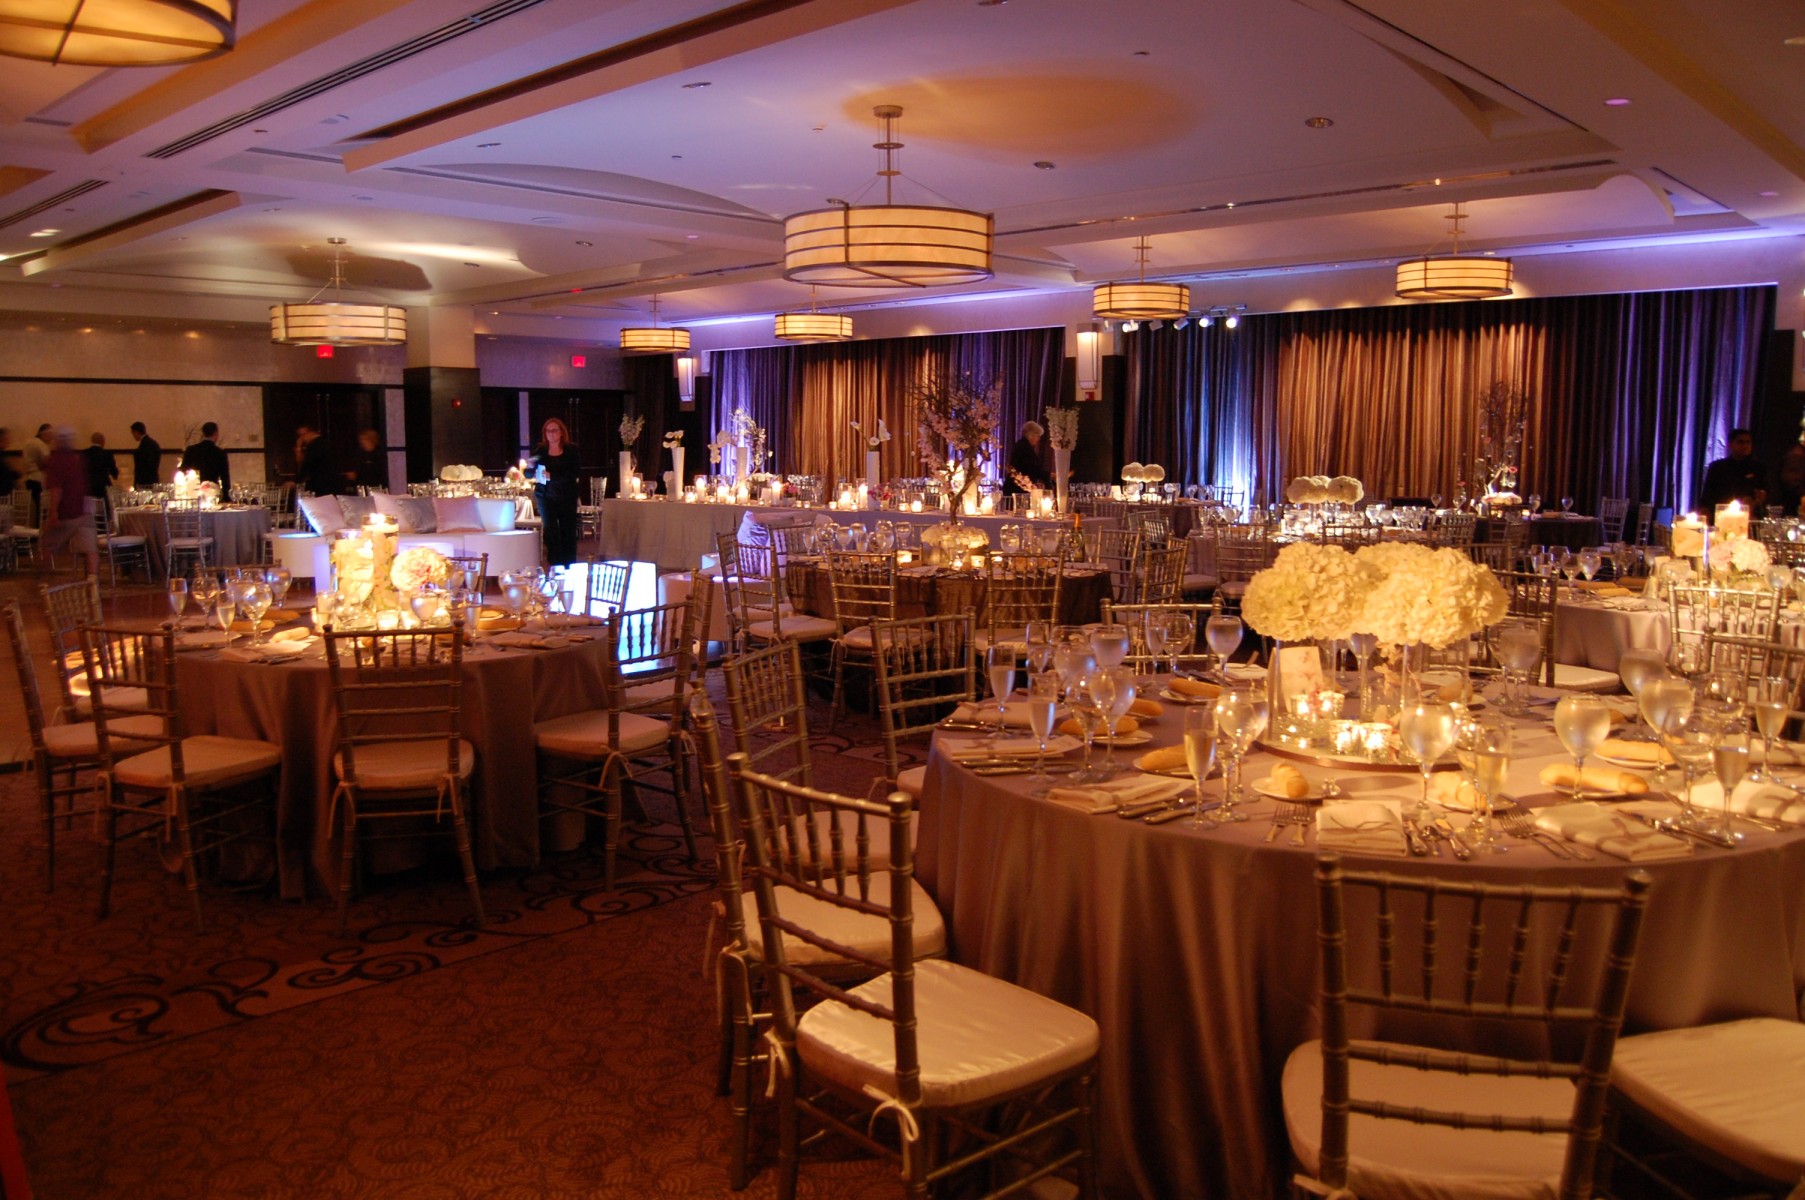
x: 1572, y: 530
x: 1595, y: 632
x: 923, y: 591
x: 291, y: 704
x: 237, y: 534
x: 1195, y: 950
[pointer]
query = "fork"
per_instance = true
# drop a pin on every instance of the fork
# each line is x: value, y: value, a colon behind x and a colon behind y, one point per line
x: 1517, y: 824
x: 1297, y: 816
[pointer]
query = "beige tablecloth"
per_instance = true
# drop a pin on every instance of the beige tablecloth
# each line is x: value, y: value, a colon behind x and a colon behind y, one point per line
x: 237, y: 534
x: 937, y: 591
x: 1196, y: 951
x: 291, y: 704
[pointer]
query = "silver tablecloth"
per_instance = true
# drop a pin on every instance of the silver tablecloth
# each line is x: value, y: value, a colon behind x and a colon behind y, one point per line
x: 237, y: 534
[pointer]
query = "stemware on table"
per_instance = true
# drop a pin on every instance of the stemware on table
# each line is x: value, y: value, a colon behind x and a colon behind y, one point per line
x: 1200, y: 753
x: 1043, y: 710
x: 1113, y: 688
x: 1241, y: 717
x: 1000, y: 664
x: 1223, y: 633
x: 1490, y: 747
x: 1427, y: 731
x: 1582, y: 723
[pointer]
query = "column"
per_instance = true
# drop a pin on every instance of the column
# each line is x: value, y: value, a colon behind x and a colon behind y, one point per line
x: 442, y: 393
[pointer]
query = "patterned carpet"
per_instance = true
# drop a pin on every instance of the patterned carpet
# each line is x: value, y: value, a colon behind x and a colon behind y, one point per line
x: 564, y: 1050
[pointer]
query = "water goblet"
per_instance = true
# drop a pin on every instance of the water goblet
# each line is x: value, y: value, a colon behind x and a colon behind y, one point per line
x: 1534, y: 503
x: 1435, y: 501
x: 426, y: 602
x: 1154, y: 631
x: 1427, y: 731
x: 1589, y: 561
x: 1180, y: 635
x: 1113, y: 688
x: 1566, y: 504
x: 1637, y: 667
x: 1000, y: 663
x: 1772, y: 699
x: 325, y: 608
x: 225, y: 610
x: 1568, y: 565
x: 1200, y: 753
x: 1666, y: 702
x: 1241, y: 717
x: 1517, y: 644
x: 1582, y: 723
x: 1043, y: 709
x: 515, y: 594
x: 178, y: 601
x: 255, y: 599
x: 1223, y: 633
x: 1087, y: 712
x: 204, y: 588
x: 279, y: 580
x: 1038, y: 638
x: 1110, y: 643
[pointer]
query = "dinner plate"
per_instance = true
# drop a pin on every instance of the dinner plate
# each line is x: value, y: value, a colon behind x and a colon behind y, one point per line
x: 1263, y: 785
x: 1139, y: 737
x: 1632, y: 763
x: 1181, y: 698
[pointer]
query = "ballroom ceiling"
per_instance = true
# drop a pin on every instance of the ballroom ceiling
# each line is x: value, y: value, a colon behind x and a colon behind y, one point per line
x: 568, y: 159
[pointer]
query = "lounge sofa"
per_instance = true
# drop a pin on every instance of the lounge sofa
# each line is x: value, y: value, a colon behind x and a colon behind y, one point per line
x: 472, y: 525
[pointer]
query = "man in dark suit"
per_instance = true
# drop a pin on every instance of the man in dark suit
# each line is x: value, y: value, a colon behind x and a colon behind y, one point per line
x: 208, y: 460
x: 317, y: 472
x: 147, y: 458
x: 102, y: 468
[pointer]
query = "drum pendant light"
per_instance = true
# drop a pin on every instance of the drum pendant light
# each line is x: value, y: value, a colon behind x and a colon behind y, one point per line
x: 1454, y: 276
x: 1140, y: 300
x: 333, y: 322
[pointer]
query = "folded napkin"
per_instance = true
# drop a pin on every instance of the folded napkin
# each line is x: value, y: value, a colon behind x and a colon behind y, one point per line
x: 1107, y: 797
x: 571, y: 620
x: 1615, y: 833
x: 1015, y: 713
x: 530, y: 641
x: 270, y: 651
x: 1009, y: 747
x: 207, y: 639
x: 1752, y: 798
x: 297, y: 634
x: 1362, y: 827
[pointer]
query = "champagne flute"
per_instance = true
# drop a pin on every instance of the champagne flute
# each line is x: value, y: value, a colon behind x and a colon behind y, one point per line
x: 1491, y: 764
x: 1772, y: 695
x: 1110, y: 644
x: 1114, y: 689
x: 1043, y: 707
x: 1200, y: 753
x: 1223, y: 633
x: 1427, y: 731
x: 1365, y: 645
x: 1582, y: 723
x: 1241, y: 717
x: 225, y: 608
x: 999, y: 671
x: 1636, y: 668
x: 178, y: 601
x: 1730, y: 759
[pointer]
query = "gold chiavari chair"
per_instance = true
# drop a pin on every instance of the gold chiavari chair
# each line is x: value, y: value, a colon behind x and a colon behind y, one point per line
x: 1158, y: 576
x: 68, y: 607
x: 1020, y: 588
x: 1694, y: 612
x: 157, y: 781
x: 400, y: 757
x: 1136, y: 616
x: 1613, y: 512
x: 186, y: 542
x: 1756, y: 659
x: 727, y: 555
x: 767, y: 705
x: 1456, y: 529
x: 1200, y: 577
x: 1116, y: 549
x: 1241, y: 552
x: 1153, y: 524
x: 1386, y: 1120
x: 647, y: 670
x: 864, y: 590
x: 838, y: 1068
x: 607, y: 586
x: 925, y: 667
x: 1537, y: 598
x: 765, y: 608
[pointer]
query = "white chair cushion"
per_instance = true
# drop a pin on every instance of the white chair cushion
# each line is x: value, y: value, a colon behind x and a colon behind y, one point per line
x: 978, y: 1037
x: 207, y: 761
x: 1585, y: 679
x: 123, y: 541
x: 1198, y: 583
x: 193, y: 543
x: 856, y: 638
x: 585, y: 734
x: 1401, y: 1159
x: 795, y: 629
x: 124, y: 697
x: 912, y: 781
x: 405, y: 766
x: 858, y: 931
x: 80, y: 740
x: 1737, y: 1089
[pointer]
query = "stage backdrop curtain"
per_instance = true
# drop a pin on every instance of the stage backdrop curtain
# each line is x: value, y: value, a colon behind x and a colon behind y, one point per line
x: 1628, y: 395
x: 807, y: 397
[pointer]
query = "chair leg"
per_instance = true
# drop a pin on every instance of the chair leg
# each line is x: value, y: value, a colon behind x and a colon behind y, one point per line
x: 680, y: 796
x: 185, y: 843
x: 46, y: 784
x: 462, y: 830
x: 739, y: 1104
x: 915, y: 1182
x: 1087, y: 1136
x: 347, y: 862
x: 610, y: 783
x: 789, y: 1134
x: 111, y: 839
x: 839, y: 666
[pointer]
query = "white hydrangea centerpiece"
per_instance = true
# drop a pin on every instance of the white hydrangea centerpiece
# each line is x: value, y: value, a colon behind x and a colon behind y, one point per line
x: 1740, y: 557
x: 1310, y: 592
x: 1429, y: 597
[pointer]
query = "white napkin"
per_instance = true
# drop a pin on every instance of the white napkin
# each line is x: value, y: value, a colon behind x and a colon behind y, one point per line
x: 1362, y: 827
x: 1011, y: 747
x: 1751, y: 799
x: 530, y: 641
x: 210, y: 639
x: 1107, y: 797
x: 1615, y: 833
x: 1015, y: 714
x: 266, y: 652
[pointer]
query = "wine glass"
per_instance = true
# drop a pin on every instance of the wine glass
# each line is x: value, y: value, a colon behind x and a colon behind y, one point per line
x: 254, y: 596
x: 1038, y: 636
x: 1589, y: 562
x: 1110, y: 644
x: 1080, y: 698
x: 515, y: 592
x: 1069, y: 653
x: 325, y: 608
x: 1365, y: 645
x: 1427, y: 731
x: 204, y: 589
x: 426, y: 603
x: 1154, y: 630
x: 1517, y: 643
x: 1491, y: 749
x: 178, y: 601
x: 1435, y: 501
x: 225, y: 609
x: 1180, y: 634
x: 1772, y: 699
x: 1043, y: 708
x: 1000, y: 664
x: 1666, y: 702
x: 1200, y: 753
x: 1730, y: 759
x: 1223, y: 633
x: 1582, y: 723
x: 279, y: 580
x: 1534, y: 503
x: 1636, y: 667
x: 1241, y: 716
x: 1568, y: 566
x: 1566, y: 504
x: 1114, y: 689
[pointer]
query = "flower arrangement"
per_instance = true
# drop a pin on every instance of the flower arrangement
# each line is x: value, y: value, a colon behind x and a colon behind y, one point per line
x: 1503, y: 422
x: 960, y: 417
x: 460, y: 473
x: 630, y: 429
x: 1320, y: 489
x: 1739, y: 556
x: 1309, y: 592
x: 1136, y: 472
x: 876, y: 440
x: 1432, y: 597
x: 361, y: 562
x: 721, y: 442
x: 1062, y: 428
x: 673, y: 440
x: 416, y: 566
x: 746, y: 432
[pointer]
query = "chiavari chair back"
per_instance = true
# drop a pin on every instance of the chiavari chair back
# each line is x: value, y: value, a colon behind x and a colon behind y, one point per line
x: 1193, y: 655
x: 926, y: 666
x: 186, y: 542
x: 810, y: 859
x: 1757, y: 659
x: 127, y: 549
x: 1645, y: 523
x: 157, y: 781
x: 1116, y: 549
x: 400, y: 757
x: 1242, y: 551
x: 1694, y: 612
x: 767, y: 705
x: 607, y: 586
x: 1153, y: 524
x: 1457, y: 529
x: 1020, y: 588
x: 765, y: 610
x: 1613, y: 512
x: 864, y: 591
x: 21, y: 531
x: 1158, y: 576
x: 68, y: 607
x: 1388, y: 1119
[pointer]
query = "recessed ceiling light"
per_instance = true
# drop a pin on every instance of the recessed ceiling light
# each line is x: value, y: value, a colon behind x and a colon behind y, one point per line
x: 1143, y: 53
x: 548, y: 220
x: 1617, y: 102
x: 1318, y: 122
x: 700, y: 83
x: 487, y: 145
x: 1043, y: 165
x: 1767, y: 195
x: 585, y: 243
x: 691, y: 236
x: 46, y: 233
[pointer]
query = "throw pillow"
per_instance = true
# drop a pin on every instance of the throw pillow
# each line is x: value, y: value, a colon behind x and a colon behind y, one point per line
x: 458, y: 514
x: 323, y: 513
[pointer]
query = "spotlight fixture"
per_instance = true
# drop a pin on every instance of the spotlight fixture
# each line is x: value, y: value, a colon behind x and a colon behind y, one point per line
x: 1182, y: 322
x: 1130, y: 326
x: 813, y: 326
x: 1140, y: 300
x: 1228, y: 314
x: 333, y: 322
x: 1231, y: 322
x: 117, y: 33
x: 1205, y: 321
x: 654, y: 339
x: 888, y: 244
x: 1454, y: 276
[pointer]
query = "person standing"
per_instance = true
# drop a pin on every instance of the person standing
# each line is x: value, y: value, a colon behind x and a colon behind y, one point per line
x: 207, y: 460
x: 556, y: 459
x: 372, y: 470
x: 1738, y: 477
x: 317, y: 471
x: 101, y: 466
x: 68, y: 509
x: 147, y: 458
x: 9, y: 474
x: 1027, y: 466
x: 36, y: 450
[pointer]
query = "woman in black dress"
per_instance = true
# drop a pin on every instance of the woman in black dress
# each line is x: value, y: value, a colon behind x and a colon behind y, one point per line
x: 556, y: 456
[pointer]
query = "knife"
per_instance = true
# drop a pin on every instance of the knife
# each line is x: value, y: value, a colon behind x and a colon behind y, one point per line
x: 1418, y: 846
x: 1460, y: 848
x: 1160, y: 818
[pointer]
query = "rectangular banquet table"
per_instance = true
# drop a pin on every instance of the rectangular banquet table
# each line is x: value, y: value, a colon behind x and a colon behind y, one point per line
x: 291, y: 704
x: 1196, y: 952
x: 237, y: 534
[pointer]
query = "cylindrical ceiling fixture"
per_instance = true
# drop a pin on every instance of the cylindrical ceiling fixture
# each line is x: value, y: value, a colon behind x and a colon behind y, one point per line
x: 317, y: 322
x: 655, y: 338
x: 1140, y: 300
x: 813, y: 327
x: 116, y: 33
x: 888, y: 244
x: 1454, y: 276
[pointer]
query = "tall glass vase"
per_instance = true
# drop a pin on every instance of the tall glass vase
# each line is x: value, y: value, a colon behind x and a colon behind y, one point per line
x: 626, y: 472
x: 871, y: 474
x: 674, y: 487
x: 1062, y: 477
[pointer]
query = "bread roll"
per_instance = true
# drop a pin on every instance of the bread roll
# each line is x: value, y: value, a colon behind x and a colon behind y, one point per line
x: 1595, y: 780
x: 1450, y: 789
x: 1651, y: 753
x: 1124, y: 726
x: 1288, y: 781
x: 1166, y: 758
x: 1196, y: 689
x: 1146, y: 708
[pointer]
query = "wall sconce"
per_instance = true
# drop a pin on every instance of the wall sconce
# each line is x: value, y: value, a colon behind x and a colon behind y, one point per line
x: 1090, y: 360
x: 686, y: 378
